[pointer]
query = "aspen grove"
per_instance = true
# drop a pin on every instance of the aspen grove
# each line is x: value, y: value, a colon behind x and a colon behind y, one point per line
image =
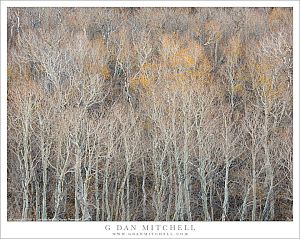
x: 150, y: 114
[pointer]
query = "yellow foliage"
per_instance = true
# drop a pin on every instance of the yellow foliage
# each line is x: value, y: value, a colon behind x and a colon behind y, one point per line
x: 238, y: 88
x: 105, y: 72
x: 134, y: 82
x: 147, y: 124
x: 177, y: 53
x: 195, y: 72
x: 10, y: 72
x: 91, y: 67
x: 146, y: 66
x: 142, y: 81
x: 183, y: 59
x: 149, y: 67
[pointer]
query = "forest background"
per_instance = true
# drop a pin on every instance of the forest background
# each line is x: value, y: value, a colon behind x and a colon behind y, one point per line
x: 125, y: 114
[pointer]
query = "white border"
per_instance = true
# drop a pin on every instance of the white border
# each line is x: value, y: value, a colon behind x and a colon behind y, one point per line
x: 97, y: 229
x: 149, y: 3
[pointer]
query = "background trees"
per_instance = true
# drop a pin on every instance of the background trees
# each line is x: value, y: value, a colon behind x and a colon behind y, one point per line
x: 150, y: 114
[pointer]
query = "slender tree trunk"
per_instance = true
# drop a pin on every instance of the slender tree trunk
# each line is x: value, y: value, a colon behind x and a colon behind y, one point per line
x: 268, y: 212
x: 179, y: 203
x: 97, y: 194
x: 121, y: 193
x: 58, y: 197
x: 203, y: 183
x: 77, y: 187
x: 185, y: 171
x: 26, y: 161
x: 106, y: 191
x: 144, y: 190
x: 37, y: 200
x: 226, y: 193
x: 45, y: 151
x: 168, y: 213
x: 253, y: 184
x: 44, y: 200
x: 202, y: 167
x: 211, y: 200
x: 244, y: 206
x: 85, y: 207
x: 114, y: 207
x: 127, y: 200
x: 216, y: 53
x: 25, y: 203
x: 88, y: 168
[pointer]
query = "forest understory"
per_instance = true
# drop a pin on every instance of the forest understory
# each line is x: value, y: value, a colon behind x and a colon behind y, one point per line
x: 150, y: 114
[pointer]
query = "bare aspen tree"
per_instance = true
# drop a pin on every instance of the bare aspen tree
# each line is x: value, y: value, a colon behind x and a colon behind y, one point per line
x: 24, y: 117
x: 203, y: 157
x: 253, y: 128
x: 230, y: 138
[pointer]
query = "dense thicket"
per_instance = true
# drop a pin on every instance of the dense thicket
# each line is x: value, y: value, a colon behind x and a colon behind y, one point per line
x: 150, y: 114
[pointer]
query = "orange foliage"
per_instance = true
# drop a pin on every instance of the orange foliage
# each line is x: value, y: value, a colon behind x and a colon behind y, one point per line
x: 105, y: 72
x: 187, y: 62
x: 266, y: 82
x: 279, y: 18
x: 142, y: 82
x: 182, y: 58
